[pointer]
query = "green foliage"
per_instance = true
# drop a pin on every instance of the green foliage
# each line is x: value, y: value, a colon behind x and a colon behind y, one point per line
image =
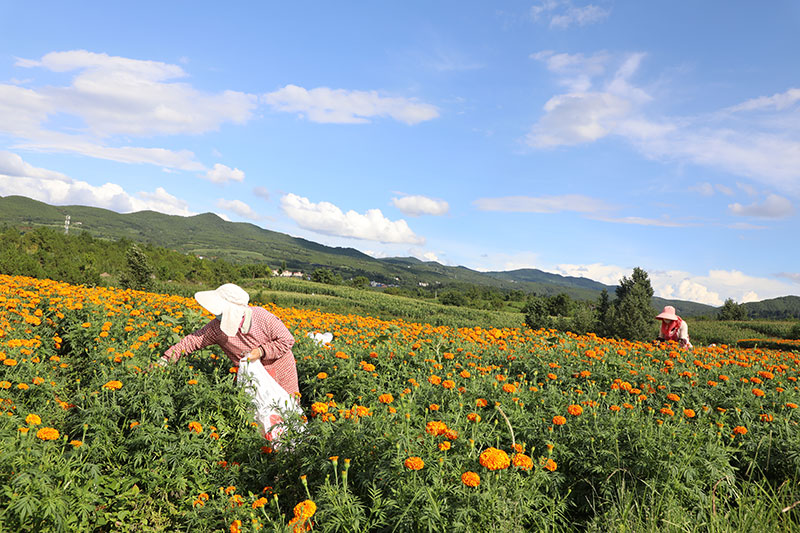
x: 323, y: 275
x: 139, y: 272
x: 632, y: 315
x: 453, y: 297
x: 731, y: 310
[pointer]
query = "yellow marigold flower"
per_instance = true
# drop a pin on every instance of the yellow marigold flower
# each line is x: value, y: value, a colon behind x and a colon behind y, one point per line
x: 5, y: 384
x: 444, y: 446
x: 575, y: 409
x: 33, y: 420
x: 559, y: 420
x: 522, y: 461
x: 47, y: 434
x: 305, y: 509
x: 494, y: 459
x: 470, y: 479
x: 113, y: 385
x: 322, y: 375
x: 23, y: 386
x: 414, y: 463
x: 23, y: 430
x: 196, y: 427
x: 386, y: 398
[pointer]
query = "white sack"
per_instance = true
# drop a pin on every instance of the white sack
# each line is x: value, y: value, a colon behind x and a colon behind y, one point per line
x: 271, y: 401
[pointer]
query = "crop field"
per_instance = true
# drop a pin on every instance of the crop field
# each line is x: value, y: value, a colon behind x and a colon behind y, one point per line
x: 408, y: 426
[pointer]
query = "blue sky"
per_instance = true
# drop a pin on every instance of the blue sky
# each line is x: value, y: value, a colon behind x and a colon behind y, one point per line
x: 578, y: 138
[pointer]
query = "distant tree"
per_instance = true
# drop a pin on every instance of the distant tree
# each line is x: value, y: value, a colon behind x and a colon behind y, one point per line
x: 583, y: 319
x: 732, y: 311
x: 632, y: 313
x: 360, y: 282
x: 603, y: 314
x: 453, y: 297
x: 560, y: 305
x: 537, y: 315
x: 323, y: 275
x: 138, y: 273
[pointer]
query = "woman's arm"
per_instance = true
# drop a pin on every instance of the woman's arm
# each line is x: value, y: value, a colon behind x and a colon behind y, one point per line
x: 275, y: 339
x: 203, y: 337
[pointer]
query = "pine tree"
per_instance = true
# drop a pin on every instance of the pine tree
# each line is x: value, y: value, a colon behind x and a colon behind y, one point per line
x: 139, y: 272
x: 632, y: 316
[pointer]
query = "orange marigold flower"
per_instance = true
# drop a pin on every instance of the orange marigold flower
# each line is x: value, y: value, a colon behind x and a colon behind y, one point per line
x: 261, y: 502
x: 509, y: 387
x: 551, y: 376
x: 758, y: 392
x: 673, y: 397
x: 318, y: 408
x: 689, y: 413
x: 47, y: 434
x: 522, y: 461
x: 549, y: 464
x: 435, y: 427
x: 791, y: 405
x: 614, y: 407
x: 575, y: 409
x: 192, y: 382
x: 434, y: 379
x: 494, y: 459
x: 666, y: 411
x: 113, y: 385
x: 322, y: 375
x: 414, y: 463
x: 444, y: 446
x: 33, y: 419
x: 236, y: 526
x: 740, y: 430
x: 10, y: 362
x: 196, y: 427
x: 76, y: 443
x: 474, y: 417
x: 133, y: 424
x: 386, y: 398
x: 5, y: 384
x: 451, y: 434
x: 434, y: 407
x: 559, y: 420
x: 766, y: 417
x: 470, y: 479
x: 480, y: 402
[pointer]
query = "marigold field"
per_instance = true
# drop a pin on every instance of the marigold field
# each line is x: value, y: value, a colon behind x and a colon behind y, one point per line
x: 409, y: 427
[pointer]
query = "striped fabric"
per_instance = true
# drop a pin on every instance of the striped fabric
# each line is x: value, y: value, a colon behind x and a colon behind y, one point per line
x: 267, y: 331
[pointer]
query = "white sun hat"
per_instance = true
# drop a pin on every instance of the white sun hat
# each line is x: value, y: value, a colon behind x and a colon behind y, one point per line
x: 228, y: 300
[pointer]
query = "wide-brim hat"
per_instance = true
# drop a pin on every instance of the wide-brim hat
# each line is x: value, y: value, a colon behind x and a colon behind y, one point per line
x: 667, y: 314
x: 230, y: 301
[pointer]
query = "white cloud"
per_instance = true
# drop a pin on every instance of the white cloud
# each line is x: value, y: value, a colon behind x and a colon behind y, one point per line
x: 238, y: 207
x: 421, y: 205
x: 641, y: 221
x: 758, y: 139
x: 341, y: 106
x: 422, y: 255
x: 562, y: 14
x: 12, y: 165
x: 261, y: 192
x: 497, y: 262
x: 705, y: 189
x: 223, y: 174
x: 794, y: 276
x: 122, y: 96
x: 328, y: 219
x: 543, y: 204
x: 773, y: 206
x: 17, y: 177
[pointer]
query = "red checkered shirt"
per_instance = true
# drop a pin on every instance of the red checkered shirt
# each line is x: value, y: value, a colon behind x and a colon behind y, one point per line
x: 266, y: 331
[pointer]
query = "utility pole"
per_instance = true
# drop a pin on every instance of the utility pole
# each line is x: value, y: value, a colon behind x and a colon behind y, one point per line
x: 66, y: 225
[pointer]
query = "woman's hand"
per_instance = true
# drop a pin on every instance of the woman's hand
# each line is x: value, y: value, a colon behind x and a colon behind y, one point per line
x: 252, y: 355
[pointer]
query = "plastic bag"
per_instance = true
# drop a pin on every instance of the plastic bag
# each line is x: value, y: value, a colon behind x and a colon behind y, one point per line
x: 271, y: 401
x: 321, y: 338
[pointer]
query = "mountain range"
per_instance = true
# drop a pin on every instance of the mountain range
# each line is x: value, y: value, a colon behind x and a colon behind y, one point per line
x: 210, y: 236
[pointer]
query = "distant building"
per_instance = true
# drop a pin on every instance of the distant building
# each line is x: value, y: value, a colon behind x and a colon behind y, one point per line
x: 423, y: 284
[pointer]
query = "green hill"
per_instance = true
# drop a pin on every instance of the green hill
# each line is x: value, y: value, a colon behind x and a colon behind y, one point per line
x: 210, y: 236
